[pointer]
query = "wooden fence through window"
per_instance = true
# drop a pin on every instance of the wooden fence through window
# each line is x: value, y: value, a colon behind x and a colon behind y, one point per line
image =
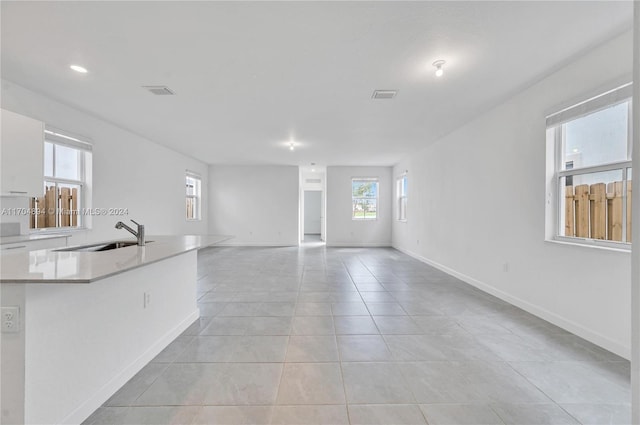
x: 57, y: 208
x: 595, y: 211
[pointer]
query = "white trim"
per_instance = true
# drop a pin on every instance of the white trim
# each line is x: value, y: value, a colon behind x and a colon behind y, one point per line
x: 197, y: 196
x: 592, y: 244
x: 605, y: 100
x: 60, y: 137
x: 265, y: 244
x: 96, y: 400
x: 615, y: 347
x: 400, y: 195
x: 601, y: 168
x: 556, y: 131
x: 366, y: 179
x: 55, y: 230
x: 364, y: 218
x: 359, y: 245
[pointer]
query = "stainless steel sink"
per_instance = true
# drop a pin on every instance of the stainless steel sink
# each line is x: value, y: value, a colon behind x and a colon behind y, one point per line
x: 105, y: 246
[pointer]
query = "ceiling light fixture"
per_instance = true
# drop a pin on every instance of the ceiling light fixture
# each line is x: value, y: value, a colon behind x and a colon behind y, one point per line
x: 291, y: 146
x: 78, y: 68
x: 439, y: 64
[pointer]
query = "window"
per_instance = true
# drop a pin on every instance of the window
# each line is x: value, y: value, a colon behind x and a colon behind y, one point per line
x: 67, y: 161
x: 401, y: 190
x: 364, y: 196
x: 591, y: 149
x: 193, y: 186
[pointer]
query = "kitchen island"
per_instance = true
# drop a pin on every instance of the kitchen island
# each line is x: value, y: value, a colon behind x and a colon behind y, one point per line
x: 84, y: 323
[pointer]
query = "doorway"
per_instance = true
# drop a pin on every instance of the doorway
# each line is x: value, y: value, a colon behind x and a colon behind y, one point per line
x: 312, y: 216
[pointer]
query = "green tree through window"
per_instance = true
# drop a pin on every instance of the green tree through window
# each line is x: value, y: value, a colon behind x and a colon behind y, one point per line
x: 364, y: 197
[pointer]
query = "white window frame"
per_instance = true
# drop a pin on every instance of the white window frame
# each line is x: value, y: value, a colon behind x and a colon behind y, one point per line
x: 62, y: 138
x: 197, y: 197
x: 554, y: 124
x: 375, y: 180
x: 401, y: 198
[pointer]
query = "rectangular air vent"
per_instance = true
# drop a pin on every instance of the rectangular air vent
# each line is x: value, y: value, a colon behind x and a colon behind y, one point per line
x: 313, y: 180
x: 159, y: 90
x: 384, y: 94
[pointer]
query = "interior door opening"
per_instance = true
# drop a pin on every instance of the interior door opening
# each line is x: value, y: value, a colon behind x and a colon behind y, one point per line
x: 312, y: 216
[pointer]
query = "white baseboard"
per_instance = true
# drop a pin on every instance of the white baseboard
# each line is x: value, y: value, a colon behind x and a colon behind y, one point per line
x: 359, y: 244
x: 85, y: 410
x: 569, y: 325
x: 265, y: 244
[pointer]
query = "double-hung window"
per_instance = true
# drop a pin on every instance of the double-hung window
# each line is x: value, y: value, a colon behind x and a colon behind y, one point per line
x: 401, y: 190
x: 67, y: 165
x: 194, y: 196
x: 591, y: 148
x: 364, y: 198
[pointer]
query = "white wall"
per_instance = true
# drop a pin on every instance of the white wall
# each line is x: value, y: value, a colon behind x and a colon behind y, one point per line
x: 476, y: 200
x: 129, y: 171
x: 341, y: 229
x: 258, y: 205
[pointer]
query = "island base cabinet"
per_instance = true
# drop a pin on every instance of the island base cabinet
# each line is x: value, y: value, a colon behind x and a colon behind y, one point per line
x: 79, y: 343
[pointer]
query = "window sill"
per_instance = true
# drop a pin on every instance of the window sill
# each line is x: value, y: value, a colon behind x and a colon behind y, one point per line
x: 57, y: 230
x: 591, y: 244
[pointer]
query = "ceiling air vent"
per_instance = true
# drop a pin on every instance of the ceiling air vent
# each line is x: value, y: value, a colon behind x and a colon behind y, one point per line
x: 313, y: 181
x: 159, y: 90
x: 384, y: 94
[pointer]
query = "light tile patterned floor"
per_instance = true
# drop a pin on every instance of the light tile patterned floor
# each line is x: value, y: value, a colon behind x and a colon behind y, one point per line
x: 316, y: 335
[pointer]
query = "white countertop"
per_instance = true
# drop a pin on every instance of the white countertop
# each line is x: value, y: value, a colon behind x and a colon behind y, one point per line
x: 31, y: 238
x: 51, y: 266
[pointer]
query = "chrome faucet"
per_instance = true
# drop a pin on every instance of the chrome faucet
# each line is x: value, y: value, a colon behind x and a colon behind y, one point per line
x: 139, y: 234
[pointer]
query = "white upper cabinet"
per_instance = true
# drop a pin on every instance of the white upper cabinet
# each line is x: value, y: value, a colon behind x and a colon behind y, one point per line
x: 21, y: 155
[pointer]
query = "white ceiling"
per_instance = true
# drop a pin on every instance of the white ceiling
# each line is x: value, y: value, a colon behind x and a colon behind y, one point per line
x: 250, y: 76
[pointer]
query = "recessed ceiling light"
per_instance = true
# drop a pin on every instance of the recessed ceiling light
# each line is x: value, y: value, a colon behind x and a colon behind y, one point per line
x: 439, y: 64
x: 313, y: 170
x: 78, y: 68
x: 291, y: 146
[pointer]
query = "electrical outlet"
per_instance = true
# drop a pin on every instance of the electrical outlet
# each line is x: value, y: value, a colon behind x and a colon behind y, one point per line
x: 147, y: 299
x: 11, y: 319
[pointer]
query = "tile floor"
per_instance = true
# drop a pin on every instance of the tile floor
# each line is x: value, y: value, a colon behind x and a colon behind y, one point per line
x: 316, y: 335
